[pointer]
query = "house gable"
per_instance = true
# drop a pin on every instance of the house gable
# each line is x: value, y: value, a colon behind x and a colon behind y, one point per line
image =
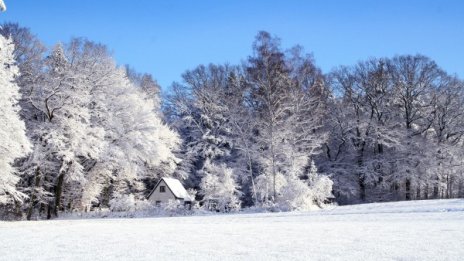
x: 157, y: 195
x: 173, y: 190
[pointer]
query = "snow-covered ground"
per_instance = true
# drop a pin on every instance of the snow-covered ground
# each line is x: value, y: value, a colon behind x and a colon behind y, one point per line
x: 416, y: 230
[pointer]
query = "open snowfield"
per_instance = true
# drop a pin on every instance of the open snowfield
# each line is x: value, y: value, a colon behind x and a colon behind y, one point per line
x: 420, y: 230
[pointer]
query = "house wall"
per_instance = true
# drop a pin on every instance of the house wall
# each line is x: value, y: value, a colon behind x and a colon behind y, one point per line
x: 160, y: 196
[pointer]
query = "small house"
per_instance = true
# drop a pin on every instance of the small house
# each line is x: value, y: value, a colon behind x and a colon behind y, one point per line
x: 170, y: 189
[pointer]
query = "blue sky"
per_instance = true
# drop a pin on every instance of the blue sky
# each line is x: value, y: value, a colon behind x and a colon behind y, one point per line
x: 166, y: 38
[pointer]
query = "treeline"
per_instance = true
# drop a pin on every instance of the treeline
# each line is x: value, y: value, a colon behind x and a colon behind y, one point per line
x: 273, y: 132
x: 380, y: 130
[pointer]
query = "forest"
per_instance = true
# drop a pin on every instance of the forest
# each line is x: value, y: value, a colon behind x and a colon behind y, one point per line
x: 79, y: 132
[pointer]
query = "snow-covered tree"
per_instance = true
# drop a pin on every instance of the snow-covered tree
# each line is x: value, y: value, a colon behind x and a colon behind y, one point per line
x: 137, y: 142
x: 362, y: 125
x: 268, y: 76
x: 63, y: 134
x: 241, y: 121
x: 97, y: 134
x: 287, y: 97
x: 148, y: 85
x: 2, y: 6
x: 447, y: 131
x: 383, y: 125
x: 200, y: 113
x: 415, y: 79
x: 14, y: 143
x: 138, y: 139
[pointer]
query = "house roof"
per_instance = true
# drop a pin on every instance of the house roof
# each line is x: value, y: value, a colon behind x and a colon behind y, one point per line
x: 175, y: 187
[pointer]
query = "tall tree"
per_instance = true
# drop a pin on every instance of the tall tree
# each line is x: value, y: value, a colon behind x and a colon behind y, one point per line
x: 268, y: 76
x: 415, y: 79
x: 201, y: 115
x: 287, y: 97
x: 363, y: 124
x: 14, y: 143
x: 64, y: 133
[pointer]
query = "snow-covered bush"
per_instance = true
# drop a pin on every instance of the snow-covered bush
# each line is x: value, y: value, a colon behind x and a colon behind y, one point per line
x: 219, y: 189
x: 264, y: 187
x: 293, y: 193
x: 320, y: 186
x: 173, y: 208
x: 129, y: 203
x: 321, y: 189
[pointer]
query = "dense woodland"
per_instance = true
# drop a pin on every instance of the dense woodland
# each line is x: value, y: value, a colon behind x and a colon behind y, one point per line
x: 78, y: 132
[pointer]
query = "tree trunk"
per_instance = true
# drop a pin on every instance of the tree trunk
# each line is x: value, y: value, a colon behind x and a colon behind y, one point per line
x: 435, y: 191
x: 380, y: 148
x: 408, y: 189
x: 33, y: 196
x: 461, y: 189
x: 273, y: 165
x: 426, y: 194
x: 449, y: 186
x: 361, y: 177
x: 58, y: 191
x: 362, y: 187
x: 250, y: 166
x: 49, y: 211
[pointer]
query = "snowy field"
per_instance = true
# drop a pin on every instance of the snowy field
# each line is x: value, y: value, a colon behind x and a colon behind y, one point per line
x: 421, y: 230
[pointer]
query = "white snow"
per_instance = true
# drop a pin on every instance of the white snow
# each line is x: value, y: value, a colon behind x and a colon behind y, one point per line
x: 417, y: 230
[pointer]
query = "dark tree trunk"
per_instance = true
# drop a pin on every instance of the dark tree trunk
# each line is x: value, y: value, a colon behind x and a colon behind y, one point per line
x: 58, y: 191
x: 33, y: 196
x: 380, y: 148
x: 49, y: 211
x: 449, y: 186
x: 361, y: 176
x: 362, y: 187
x: 426, y: 194
x: 461, y: 189
x: 408, y: 189
x: 435, y: 192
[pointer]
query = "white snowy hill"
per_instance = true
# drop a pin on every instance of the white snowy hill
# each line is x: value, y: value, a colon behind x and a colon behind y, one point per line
x: 415, y: 230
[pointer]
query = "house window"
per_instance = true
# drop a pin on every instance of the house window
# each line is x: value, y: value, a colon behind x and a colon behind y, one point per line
x: 158, y: 203
x: 162, y: 189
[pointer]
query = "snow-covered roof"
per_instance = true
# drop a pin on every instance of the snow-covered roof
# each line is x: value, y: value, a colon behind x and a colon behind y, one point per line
x: 176, y: 188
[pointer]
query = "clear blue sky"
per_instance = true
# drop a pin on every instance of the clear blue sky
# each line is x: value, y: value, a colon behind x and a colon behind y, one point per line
x: 166, y: 38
